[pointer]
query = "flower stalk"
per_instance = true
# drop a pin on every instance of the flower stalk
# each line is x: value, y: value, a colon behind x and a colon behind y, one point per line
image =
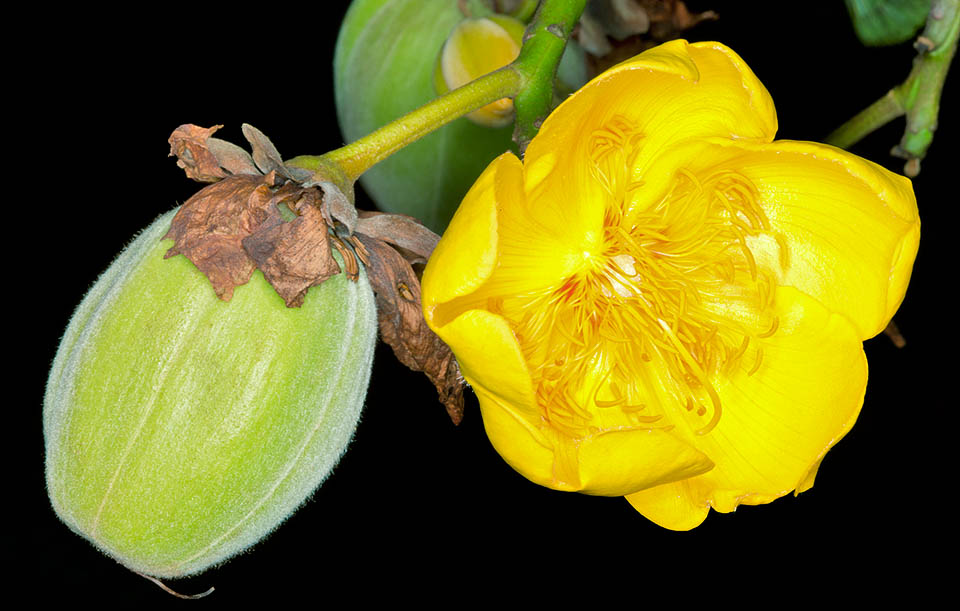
x: 359, y: 156
x: 529, y: 80
x: 917, y: 97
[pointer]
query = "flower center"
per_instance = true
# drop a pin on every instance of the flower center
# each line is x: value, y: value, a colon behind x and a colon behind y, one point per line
x: 671, y: 301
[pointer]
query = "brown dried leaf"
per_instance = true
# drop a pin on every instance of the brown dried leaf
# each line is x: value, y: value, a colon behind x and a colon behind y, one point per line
x: 189, y: 144
x: 294, y: 256
x: 400, y: 230
x: 402, y: 325
x: 209, y: 228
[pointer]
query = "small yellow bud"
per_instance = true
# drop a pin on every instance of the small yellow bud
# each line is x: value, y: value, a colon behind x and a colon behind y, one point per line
x: 476, y: 47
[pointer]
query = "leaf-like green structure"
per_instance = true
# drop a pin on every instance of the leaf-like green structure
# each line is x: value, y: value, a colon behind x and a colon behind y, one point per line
x: 887, y: 22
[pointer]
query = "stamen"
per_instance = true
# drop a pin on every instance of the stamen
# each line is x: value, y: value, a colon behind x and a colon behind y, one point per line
x: 742, y: 349
x: 715, y: 398
x: 613, y: 389
x: 756, y: 363
x: 773, y: 328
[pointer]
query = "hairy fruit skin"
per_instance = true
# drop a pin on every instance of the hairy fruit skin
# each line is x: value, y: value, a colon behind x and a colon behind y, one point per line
x: 181, y: 429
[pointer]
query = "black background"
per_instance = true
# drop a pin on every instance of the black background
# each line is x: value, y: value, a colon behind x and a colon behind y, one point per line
x: 418, y: 510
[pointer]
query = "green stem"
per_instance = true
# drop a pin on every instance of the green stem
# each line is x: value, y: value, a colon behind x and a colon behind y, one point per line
x: 529, y: 80
x: 359, y: 156
x: 878, y: 114
x: 918, y: 97
x: 543, y: 45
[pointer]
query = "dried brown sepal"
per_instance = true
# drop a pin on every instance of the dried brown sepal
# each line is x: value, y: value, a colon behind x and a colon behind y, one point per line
x: 210, y: 227
x: 295, y: 255
x: 207, y: 159
x: 361, y: 251
x: 403, y: 328
x: 265, y: 154
x: 400, y: 230
x: 188, y: 143
x: 337, y: 207
x: 350, y: 266
x: 232, y: 158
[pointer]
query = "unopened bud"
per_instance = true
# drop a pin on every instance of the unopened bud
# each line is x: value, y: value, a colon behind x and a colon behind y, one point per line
x: 476, y: 47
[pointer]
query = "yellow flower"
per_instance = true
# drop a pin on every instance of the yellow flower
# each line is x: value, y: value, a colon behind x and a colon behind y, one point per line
x: 663, y: 303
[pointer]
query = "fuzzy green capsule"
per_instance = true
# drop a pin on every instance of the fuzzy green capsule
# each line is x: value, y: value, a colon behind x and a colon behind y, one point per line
x: 181, y: 429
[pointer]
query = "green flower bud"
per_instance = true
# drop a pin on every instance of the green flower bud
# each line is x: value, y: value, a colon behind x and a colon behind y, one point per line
x: 181, y: 429
x: 384, y: 67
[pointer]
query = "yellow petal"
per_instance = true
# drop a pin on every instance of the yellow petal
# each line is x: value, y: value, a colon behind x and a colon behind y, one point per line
x: 779, y: 421
x: 614, y: 463
x: 490, y: 359
x: 850, y: 226
x: 672, y: 506
x: 609, y: 462
x: 517, y: 439
x: 666, y: 95
x: 466, y: 257
x: 502, y: 242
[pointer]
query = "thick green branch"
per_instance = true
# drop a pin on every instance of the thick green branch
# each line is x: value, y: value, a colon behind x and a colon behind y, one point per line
x: 543, y: 46
x: 918, y: 97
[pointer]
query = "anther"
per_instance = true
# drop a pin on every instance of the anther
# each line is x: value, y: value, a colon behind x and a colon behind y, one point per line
x: 773, y: 328
x: 756, y: 363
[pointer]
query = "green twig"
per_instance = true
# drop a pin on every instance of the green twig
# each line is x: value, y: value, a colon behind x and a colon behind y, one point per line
x: 543, y: 45
x: 529, y: 80
x: 918, y: 97
x: 881, y: 112
x: 359, y: 156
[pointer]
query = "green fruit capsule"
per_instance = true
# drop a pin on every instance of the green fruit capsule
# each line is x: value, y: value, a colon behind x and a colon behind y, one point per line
x: 181, y: 429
